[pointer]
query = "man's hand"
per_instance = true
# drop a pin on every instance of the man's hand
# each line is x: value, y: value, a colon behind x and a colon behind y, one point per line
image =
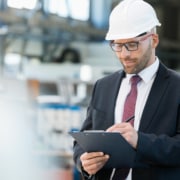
x: 127, y: 131
x: 93, y: 162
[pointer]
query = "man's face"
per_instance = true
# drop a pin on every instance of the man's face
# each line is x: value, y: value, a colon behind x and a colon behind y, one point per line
x: 135, y: 61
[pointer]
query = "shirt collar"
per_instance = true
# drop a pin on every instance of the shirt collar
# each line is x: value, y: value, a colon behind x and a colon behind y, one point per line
x: 148, y: 73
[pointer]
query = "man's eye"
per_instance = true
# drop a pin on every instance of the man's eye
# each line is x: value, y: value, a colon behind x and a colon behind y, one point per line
x: 118, y: 45
x: 132, y: 44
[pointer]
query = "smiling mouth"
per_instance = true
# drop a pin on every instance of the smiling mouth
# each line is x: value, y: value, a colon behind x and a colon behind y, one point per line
x: 129, y: 63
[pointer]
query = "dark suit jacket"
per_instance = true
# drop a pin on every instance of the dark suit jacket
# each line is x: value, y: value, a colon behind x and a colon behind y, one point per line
x: 158, y: 149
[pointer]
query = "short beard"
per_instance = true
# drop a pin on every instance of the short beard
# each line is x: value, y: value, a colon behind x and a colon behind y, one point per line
x: 145, y: 63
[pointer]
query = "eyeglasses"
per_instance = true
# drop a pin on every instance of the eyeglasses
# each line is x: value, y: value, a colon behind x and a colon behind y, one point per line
x: 130, y: 46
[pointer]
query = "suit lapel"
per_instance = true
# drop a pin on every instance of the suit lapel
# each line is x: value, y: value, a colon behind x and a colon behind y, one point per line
x: 156, y: 94
x: 115, y: 83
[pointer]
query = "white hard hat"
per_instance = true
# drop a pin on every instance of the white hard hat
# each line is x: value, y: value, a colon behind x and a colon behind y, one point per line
x: 131, y: 18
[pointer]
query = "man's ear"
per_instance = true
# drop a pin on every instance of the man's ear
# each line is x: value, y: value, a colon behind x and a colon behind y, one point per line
x: 155, y: 40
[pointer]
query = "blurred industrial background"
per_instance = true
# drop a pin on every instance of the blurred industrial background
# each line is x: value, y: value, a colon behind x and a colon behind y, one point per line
x: 51, y: 53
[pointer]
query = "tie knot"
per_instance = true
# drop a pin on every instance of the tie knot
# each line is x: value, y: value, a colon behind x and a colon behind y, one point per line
x: 135, y: 79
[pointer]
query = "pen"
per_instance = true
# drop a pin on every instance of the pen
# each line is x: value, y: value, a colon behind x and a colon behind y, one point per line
x: 132, y: 117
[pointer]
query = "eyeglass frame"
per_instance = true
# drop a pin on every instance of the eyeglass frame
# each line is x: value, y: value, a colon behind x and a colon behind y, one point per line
x: 126, y: 45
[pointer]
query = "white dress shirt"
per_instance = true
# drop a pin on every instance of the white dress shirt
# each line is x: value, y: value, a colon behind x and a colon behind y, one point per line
x: 144, y: 86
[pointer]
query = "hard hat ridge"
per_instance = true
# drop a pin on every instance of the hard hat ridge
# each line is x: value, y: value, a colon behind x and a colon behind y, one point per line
x: 131, y: 18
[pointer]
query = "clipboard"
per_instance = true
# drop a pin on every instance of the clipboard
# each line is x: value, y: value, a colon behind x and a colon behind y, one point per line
x: 121, y: 153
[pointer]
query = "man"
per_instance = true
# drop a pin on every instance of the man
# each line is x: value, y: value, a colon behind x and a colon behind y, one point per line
x: 155, y: 134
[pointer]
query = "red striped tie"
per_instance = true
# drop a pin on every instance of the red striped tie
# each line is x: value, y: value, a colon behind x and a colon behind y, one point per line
x: 130, y: 102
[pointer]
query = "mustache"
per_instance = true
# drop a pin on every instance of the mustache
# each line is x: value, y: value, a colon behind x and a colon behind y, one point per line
x: 129, y: 59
